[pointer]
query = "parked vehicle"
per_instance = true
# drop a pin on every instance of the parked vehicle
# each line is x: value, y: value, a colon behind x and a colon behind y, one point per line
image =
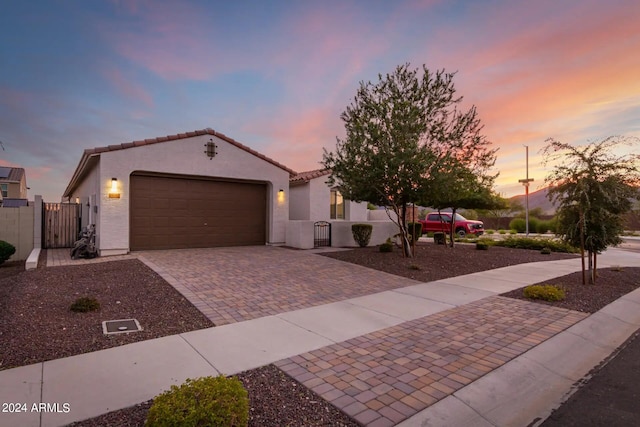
x: 85, y: 246
x: 442, y: 222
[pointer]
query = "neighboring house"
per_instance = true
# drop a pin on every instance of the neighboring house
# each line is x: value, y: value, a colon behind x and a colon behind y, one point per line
x: 13, y: 183
x: 196, y: 189
x: 311, y: 198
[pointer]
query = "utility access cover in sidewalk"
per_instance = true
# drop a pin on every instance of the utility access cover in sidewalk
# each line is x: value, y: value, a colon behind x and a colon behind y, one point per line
x: 121, y: 326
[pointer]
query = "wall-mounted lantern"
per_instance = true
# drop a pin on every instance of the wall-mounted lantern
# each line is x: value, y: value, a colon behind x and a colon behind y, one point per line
x: 281, y: 196
x: 113, y: 192
x: 212, y: 149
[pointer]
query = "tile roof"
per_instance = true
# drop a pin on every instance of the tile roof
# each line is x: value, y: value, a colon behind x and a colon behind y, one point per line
x: 306, y: 176
x: 90, y: 153
x: 207, y: 131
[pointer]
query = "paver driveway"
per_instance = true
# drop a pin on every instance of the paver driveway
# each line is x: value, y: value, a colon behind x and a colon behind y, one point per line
x: 241, y: 283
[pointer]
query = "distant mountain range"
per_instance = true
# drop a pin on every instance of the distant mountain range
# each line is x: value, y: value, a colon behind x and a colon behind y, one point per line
x: 537, y: 199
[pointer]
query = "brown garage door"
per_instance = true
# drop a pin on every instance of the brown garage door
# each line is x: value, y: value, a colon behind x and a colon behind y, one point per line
x: 170, y: 212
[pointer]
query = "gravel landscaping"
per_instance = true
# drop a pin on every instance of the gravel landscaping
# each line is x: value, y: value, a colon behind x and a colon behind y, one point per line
x: 37, y: 325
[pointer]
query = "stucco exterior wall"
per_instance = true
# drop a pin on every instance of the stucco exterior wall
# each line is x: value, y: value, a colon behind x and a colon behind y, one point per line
x: 320, y: 199
x: 299, y: 202
x: 342, y: 236
x: 184, y: 156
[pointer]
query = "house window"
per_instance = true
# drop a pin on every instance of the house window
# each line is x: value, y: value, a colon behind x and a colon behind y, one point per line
x: 337, y: 205
x: 5, y: 190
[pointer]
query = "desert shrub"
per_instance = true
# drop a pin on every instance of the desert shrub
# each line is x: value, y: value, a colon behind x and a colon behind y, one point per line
x: 414, y: 267
x: 207, y: 401
x: 502, y: 231
x: 6, y: 250
x: 543, y: 226
x: 513, y: 231
x: 518, y: 224
x: 536, y: 244
x: 481, y: 246
x: 362, y: 234
x: 386, y: 246
x: 415, y: 230
x: 490, y: 231
x: 544, y: 292
x: 545, y: 251
x: 430, y: 234
x: 85, y: 304
x: 438, y: 238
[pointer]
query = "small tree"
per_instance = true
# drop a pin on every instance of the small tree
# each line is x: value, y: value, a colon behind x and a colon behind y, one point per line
x: 593, y: 189
x: 394, y: 129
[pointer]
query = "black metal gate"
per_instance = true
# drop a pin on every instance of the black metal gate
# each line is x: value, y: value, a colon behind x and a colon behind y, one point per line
x: 321, y: 234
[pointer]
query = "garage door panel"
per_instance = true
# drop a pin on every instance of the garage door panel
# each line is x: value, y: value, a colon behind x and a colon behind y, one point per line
x: 181, y: 212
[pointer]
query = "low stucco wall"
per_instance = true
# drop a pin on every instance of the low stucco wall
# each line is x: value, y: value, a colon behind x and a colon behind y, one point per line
x: 341, y: 235
x: 300, y: 233
x: 16, y: 227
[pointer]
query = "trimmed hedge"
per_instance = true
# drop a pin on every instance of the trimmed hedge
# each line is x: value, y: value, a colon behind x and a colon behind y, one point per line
x: 362, y: 234
x: 536, y: 244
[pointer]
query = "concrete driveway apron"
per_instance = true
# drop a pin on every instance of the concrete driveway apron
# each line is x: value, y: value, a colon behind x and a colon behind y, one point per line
x: 242, y: 283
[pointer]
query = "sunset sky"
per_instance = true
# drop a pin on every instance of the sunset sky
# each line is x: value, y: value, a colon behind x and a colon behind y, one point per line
x: 275, y: 75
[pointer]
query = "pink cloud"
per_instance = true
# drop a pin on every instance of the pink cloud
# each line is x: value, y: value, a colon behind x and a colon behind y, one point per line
x: 127, y: 87
x: 297, y: 137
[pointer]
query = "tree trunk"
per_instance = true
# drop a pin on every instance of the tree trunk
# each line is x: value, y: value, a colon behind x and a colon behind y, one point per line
x: 452, y: 228
x: 406, y: 245
x: 590, y: 258
x: 584, y: 279
x: 595, y: 267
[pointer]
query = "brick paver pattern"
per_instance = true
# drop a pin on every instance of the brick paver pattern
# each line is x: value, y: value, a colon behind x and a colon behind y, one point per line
x: 62, y: 257
x: 234, y: 284
x: 387, y: 376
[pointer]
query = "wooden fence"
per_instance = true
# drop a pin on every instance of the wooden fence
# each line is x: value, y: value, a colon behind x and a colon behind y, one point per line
x: 60, y: 225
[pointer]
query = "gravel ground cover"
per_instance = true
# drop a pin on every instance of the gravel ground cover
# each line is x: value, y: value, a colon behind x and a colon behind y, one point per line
x: 31, y: 301
x: 434, y: 262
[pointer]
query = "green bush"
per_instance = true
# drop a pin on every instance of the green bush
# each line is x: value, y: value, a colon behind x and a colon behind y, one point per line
x: 414, y: 267
x: 536, y: 244
x: 513, y: 231
x: 490, y: 231
x: 544, y: 292
x: 518, y: 224
x: 387, y: 246
x: 481, y: 246
x: 85, y: 304
x: 430, y: 234
x: 438, y: 238
x: 545, y: 251
x: 543, y: 226
x: 6, y: 250
x: 207, y: 401
x: 502, y: 231
x: 362, y: 234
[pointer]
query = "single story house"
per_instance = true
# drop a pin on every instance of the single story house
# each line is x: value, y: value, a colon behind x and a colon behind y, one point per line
x: 195, y: 189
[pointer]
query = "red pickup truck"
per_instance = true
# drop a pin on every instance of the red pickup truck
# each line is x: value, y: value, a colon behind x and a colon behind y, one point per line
x: 442, y: 222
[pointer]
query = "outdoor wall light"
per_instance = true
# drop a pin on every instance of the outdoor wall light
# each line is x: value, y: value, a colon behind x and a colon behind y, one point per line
x: 114, y: 193
x: 281, y: 196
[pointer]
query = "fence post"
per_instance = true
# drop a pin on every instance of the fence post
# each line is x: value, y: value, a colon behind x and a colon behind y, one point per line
x: 37, y: 222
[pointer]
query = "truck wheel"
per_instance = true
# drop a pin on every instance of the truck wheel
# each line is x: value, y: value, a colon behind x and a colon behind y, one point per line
x: 461, y: 233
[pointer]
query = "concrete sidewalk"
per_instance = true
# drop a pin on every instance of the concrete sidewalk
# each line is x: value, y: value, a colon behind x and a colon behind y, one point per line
x: 515, y: 393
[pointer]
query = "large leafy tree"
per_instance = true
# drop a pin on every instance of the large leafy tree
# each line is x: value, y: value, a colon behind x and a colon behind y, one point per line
x: 400, y: 132
x: 593, y: 188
